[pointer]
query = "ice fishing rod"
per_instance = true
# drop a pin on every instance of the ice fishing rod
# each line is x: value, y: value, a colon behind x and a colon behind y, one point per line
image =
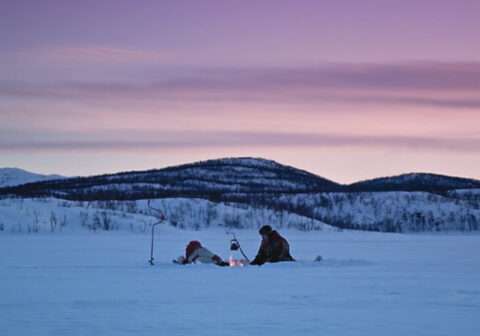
x: 161, y: 218
x: 235, y: 246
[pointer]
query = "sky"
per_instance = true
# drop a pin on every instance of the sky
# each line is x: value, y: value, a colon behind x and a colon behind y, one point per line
x: 348, y: 90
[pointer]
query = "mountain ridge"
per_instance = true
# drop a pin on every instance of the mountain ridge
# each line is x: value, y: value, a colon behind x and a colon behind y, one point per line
x: 414, y: 181
x: 402, y: 203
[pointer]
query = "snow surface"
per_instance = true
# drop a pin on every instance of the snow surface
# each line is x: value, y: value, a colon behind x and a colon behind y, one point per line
x: 86, y: 283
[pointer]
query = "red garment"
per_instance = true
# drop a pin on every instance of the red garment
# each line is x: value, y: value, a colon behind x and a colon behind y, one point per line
x: 192, y: 247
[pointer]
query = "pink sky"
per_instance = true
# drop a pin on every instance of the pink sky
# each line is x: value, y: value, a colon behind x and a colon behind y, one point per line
x: 346, y: 89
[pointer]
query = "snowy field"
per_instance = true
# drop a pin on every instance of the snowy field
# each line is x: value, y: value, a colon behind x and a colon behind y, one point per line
x: 368, y: 284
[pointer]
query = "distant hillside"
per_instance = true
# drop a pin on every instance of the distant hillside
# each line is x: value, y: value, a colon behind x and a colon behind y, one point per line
x: 15, y: 176
x: 211, y: 179
x: 221, y: 179
x: 292, y: 197
x: 415, y: 182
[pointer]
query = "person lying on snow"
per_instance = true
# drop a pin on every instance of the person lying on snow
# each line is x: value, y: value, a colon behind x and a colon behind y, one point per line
x: 195, y: 252
x: 274, y: 248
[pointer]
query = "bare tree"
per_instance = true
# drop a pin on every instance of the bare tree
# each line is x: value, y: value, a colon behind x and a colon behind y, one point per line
x: 106, y: 221
x: 63, y: 222
x: 83, y: 219
x: 96, y: 223
x: 53, y: 222
x: 34, y: 228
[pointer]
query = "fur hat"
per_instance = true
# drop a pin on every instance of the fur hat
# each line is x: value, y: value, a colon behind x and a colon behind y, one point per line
x: 265, y: 230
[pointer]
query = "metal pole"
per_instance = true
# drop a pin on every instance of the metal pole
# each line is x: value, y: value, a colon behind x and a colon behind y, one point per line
x: 159, y: 214
x: 151, y: 245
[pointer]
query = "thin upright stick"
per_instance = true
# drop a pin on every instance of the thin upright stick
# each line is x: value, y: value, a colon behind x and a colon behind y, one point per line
x: 151, y: 246
x: 159, y: 214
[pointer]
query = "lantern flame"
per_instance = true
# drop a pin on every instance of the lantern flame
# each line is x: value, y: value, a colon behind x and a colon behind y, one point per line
x: 236, y: 262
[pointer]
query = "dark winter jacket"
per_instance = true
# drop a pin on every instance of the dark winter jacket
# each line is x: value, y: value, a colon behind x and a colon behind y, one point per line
x: 273, y: 249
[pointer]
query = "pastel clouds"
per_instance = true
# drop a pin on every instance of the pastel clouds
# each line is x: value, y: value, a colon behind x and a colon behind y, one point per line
x: 126, y: 140
x: 96, y: 54
x: 437, y: 84
x: 341, y: 81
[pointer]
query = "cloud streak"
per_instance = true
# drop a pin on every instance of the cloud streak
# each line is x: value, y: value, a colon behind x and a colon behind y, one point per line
x: 443, y: 85
x: 102, y: 55
x: 196, y: 139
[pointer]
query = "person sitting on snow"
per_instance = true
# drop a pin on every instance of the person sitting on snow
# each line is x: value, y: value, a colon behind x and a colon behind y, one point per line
x: 195, y: 252
x: 274, y: 248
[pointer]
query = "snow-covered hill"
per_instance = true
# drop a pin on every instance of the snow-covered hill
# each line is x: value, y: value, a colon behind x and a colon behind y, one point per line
x: 52, y: 215
x: 415, y: 182
x: 394, y: 211
x: 231, y: 179
x: 379, y: 211
x: 208, y: 179
x: 291, y: 197
x: 15, y: 176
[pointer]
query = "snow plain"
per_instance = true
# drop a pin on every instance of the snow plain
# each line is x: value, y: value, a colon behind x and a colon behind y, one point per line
x: 86, y: 283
